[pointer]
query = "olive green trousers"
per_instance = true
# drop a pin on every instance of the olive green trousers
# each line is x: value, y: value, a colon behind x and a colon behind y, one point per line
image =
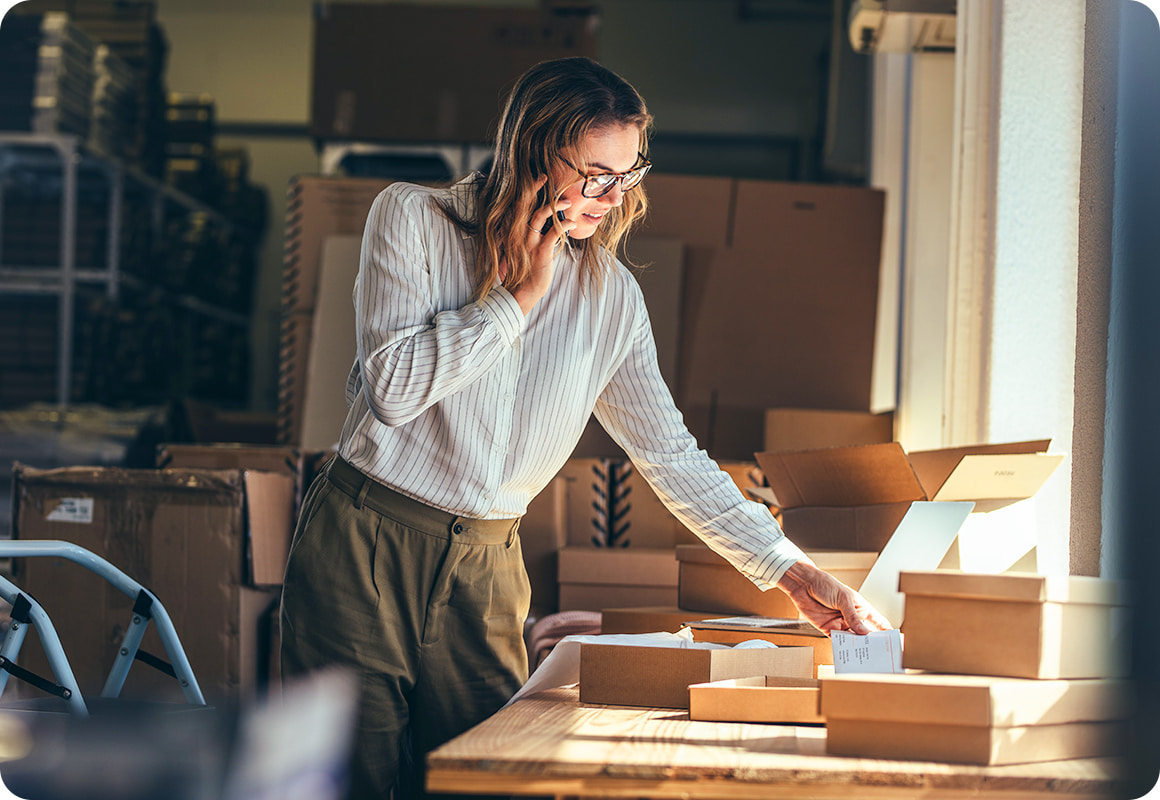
x: 425, y: 607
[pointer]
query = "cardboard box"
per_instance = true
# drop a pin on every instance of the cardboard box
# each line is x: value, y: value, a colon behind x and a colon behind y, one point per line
x: 317, y: 207
x: 593, y: 578
x: 853, y: 498
x: 972, y: 720
x: 382, y: 72
x: 810, y: 429
x: 706, y: 580
x: 766, y: 698
x: 1017, y: 625
x: 627, y: 675
x: 790, y: 633
x: 648, y: 619
x: 781, y: 246
x: 183, y: 534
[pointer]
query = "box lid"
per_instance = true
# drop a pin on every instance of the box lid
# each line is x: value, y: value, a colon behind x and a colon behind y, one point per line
x: 268, y: 458
x: 971, y: 700
x: 841, y: 476
x: 1011, y: 471
x: 1017, y: 587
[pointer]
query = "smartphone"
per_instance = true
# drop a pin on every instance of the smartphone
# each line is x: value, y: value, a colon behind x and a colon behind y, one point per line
x: 548, y: 225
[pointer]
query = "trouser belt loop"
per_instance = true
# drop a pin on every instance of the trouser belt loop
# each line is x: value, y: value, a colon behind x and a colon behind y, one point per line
x: 362, y: 493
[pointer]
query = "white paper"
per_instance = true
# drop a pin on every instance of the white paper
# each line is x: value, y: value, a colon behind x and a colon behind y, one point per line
x: 919, y: 543
x: 878, y: 651
x: 562, y: 666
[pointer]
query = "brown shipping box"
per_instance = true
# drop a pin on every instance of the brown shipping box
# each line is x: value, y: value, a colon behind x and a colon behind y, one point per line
x: 184, y: 534
x: 707, y: 581
x: 807, y: 314
x: 809, y: 428
x: 853, y: 498
x: 594, y: 578
x: 782, y: 632
x: 649, y: 619
x: 765, y: 698
x: 627, y: 675
x: 382, y: 71
x: 1015, y: 625
x: 973, y: 720
x: 316, y: 207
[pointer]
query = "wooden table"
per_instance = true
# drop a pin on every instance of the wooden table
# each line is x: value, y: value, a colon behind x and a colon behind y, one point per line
x: 551, y: 744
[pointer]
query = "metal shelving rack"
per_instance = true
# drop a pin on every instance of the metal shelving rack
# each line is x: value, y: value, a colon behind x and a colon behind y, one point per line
x: 68, y: 153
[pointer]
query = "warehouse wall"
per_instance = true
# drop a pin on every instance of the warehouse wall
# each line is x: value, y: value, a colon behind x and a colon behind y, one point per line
x: 732, y: 94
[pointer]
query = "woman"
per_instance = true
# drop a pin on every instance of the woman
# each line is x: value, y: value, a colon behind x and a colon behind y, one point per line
x: 492, y: 321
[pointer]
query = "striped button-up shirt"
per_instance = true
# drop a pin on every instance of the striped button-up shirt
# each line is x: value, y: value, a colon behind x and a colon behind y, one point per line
x: 471, y: 407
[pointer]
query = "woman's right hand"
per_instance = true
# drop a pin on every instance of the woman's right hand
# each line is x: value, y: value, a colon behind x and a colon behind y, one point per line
x: 542, y: 240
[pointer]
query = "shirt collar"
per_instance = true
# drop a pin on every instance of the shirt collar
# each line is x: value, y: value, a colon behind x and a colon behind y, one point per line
x: 463, y: 196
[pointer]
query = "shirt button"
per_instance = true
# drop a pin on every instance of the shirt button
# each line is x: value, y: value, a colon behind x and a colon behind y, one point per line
x: 457, y: 528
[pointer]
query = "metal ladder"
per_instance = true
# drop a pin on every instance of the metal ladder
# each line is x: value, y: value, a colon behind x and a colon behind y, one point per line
x: 26, y: 611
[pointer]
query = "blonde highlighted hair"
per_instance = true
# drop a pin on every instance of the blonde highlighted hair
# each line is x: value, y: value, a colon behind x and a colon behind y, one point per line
x: 548, y: 114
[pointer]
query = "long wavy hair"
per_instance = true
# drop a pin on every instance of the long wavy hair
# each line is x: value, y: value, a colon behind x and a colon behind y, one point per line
x: 549, y: 112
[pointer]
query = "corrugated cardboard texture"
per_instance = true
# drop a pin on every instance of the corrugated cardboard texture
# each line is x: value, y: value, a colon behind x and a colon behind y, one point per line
x: 1016, y: 638
x: 317, y: 207
x: 758, y: 699
x: 382, y: 72
x: 594, y: 578
x: 648, y: 619
x: 708, y: 581
x: 843, y: 476
x: 660, y: 676
x: 971, y: 719
x: 181, y: 534
x: 810, y: 429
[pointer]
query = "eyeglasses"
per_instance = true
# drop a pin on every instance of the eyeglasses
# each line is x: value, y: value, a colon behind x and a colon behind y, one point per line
x: 600, y: 185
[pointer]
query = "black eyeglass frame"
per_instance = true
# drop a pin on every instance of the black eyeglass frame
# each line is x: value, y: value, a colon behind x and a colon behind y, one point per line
x: 617, y: 177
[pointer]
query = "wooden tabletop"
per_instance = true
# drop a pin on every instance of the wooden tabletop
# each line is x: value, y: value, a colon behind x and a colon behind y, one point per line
x: 551, y: 744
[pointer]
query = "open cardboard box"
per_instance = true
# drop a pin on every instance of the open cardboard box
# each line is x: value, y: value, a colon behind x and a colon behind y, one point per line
x: 649, y: 619
x: 765, y: 698
x: 781, y: 632
x: 629, y: 675
x: 707, y: 581
x: 1017, y: 625
x: 972, y: 719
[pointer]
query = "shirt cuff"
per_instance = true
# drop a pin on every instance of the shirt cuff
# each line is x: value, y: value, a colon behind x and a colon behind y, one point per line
x: 504, y: 312
x: 766, y: 568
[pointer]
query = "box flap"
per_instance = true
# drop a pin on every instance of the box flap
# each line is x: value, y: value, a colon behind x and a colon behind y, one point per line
x: 971, y: 700
x: 1014, y: 587
x: 270, y: 525
x: 933, y: 467
x: 841, y: 476
x: 999, y: 477
x: 267, y: 458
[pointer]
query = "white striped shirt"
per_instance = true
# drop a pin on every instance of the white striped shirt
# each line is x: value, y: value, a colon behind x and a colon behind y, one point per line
x: 473, y: 408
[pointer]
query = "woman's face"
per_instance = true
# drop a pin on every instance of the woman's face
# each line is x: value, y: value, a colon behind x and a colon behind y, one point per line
x: 612, y: 149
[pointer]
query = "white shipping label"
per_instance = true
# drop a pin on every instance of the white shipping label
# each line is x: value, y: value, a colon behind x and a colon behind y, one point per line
x: 72, y: 509
x: 878, y: 651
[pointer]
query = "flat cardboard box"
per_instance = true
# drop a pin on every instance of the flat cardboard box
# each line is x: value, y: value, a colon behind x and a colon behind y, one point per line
x: 972, y: 719
x: 765, y: 698
x: 182, y: 534
x: 783, y: 633
x: 363, y: 51
x: 810, y: 428
x: 660, y: 677
x: 1016, y: 625
x: 592, y: 578
x: 648, y: 619
x: 707, y: 581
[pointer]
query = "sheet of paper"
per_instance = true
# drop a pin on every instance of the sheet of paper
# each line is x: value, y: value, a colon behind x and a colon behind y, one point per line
x: 919, y: 543
x: 879, y: 651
